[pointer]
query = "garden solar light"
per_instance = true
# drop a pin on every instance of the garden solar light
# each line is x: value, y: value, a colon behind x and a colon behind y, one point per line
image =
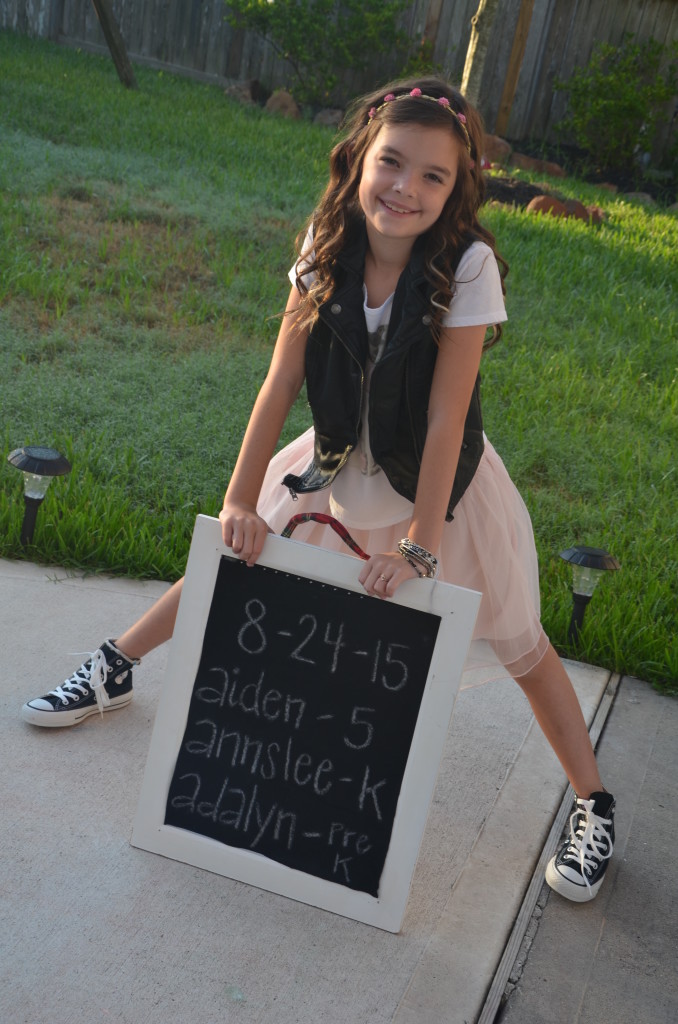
x: 38, y: 466
x: 588, y: 565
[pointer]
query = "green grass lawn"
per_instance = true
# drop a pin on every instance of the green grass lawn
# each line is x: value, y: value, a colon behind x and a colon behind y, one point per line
x: 145, y: 239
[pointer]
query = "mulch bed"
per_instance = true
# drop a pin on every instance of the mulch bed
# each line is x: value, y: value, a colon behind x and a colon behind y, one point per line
x: 503, y: 189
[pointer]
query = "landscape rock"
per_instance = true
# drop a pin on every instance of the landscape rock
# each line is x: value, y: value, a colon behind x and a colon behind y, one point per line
x: 495, y: 149
x: 530, y: 163
x: 565, y: 208
x: 330, y: 117
x: 538, y: 197
x: 547, y: 204
x: 640, y: 197
x: 248, y: 92
x: 240, y: 91
x: 596, y: 214
x: 573, y: 208
x: 281, y: 102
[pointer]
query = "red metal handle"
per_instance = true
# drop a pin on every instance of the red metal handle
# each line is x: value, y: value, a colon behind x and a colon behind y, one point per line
x: 321, y: 517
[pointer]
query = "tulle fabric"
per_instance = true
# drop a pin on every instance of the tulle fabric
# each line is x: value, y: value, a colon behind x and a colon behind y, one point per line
x: 489, y: 547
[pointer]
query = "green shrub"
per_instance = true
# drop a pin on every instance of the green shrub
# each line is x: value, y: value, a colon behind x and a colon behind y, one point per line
x: 420, y: 61
x: 617, y: 102
x: 322, y: 38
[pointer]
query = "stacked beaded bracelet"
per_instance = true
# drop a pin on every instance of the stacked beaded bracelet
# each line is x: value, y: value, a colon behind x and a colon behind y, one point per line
x: 414, y: 565
x: 418, y: 556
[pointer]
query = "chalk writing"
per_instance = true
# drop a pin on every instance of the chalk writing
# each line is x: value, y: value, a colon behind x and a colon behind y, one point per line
x: 300, y: 722
x: 255, y: 612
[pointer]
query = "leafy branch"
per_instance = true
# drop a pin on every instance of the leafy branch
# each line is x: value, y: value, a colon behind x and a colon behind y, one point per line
x: 321, y: 39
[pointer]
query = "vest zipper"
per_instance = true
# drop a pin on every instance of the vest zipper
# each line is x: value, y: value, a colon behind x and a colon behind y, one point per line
x: 415, y: 441
x: 350, y: 447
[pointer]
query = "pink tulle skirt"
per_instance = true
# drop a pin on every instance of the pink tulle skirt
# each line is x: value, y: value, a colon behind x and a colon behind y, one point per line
x: 489, y: 547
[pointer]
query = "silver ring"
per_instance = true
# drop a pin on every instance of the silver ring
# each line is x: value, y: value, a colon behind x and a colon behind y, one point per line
x: 383, y: 578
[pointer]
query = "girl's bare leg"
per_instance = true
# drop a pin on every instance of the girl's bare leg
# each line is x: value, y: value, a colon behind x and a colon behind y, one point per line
x: 556, y: 708
x: 154, y: 627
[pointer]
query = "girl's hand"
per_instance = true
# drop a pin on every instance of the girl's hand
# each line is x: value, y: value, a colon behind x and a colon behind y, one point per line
x: 243, y: 530
x: 384, y: 573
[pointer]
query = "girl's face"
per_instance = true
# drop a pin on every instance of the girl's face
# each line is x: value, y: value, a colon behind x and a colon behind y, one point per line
x: 408, y: 175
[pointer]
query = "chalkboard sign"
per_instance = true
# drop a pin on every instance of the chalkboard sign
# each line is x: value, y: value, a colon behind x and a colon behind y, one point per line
x: 300, y: 722
x: 301, y: 725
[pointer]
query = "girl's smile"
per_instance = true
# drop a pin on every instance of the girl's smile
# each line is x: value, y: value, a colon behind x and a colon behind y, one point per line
x: 408, y: 175
x: 395, y: 209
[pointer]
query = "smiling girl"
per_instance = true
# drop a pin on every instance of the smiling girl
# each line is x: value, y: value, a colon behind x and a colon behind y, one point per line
x: 396, y: 293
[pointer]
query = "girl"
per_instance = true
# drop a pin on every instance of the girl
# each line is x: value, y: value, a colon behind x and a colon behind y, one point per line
x: 393, y: 294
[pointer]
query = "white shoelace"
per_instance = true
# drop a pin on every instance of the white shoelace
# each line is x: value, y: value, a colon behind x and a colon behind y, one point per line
x: 85, y: 679
x: 589, y: 841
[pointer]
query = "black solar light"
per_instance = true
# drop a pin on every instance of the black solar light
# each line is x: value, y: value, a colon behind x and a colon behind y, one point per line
x: 588, y: 566
x: 39, y: 466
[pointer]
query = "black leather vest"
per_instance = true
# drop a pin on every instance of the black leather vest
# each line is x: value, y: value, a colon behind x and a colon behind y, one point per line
x: 400, y: 384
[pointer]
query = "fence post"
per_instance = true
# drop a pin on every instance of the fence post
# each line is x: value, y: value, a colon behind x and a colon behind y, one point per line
x: 56, y: 18
x: 515, y: 62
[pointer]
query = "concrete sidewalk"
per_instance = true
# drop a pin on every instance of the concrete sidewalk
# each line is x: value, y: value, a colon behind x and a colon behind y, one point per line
x: 95, y: 930
x: 615, y: 959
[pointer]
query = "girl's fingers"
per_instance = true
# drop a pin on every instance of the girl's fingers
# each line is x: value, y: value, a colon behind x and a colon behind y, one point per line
x: 226, y: 530
x: 255, y: 536
x: 382, y: 574
x: 244, y: 534
x: 262, y: 532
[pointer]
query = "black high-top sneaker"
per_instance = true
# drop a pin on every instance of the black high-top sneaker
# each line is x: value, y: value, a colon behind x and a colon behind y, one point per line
x: 577, y: 870
x: 102, y: 683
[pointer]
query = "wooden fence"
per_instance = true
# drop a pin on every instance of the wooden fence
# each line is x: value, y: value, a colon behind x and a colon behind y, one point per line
x: 533, y: 42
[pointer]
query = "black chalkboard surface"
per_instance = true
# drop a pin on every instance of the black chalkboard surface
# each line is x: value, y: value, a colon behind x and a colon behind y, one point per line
x: 300, y: 722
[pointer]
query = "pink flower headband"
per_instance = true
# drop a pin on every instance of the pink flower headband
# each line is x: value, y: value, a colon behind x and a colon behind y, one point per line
x: 442, y: 101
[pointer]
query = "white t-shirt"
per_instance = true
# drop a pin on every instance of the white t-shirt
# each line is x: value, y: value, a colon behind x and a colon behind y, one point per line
x: 361, y: 495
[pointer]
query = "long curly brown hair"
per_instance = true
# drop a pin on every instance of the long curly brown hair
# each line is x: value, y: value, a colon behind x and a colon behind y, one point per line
x: 338, y: 216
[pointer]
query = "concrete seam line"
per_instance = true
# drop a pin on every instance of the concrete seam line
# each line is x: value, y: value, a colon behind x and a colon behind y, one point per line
x: 496, y: 990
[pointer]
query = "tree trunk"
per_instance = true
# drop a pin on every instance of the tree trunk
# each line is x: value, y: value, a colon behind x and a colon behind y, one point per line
x: 116, y: 45
x: 476, y: 55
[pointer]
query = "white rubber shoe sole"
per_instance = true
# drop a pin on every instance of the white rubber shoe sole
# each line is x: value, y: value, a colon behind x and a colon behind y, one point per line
x: 73, y: 715
x: 574, y: 891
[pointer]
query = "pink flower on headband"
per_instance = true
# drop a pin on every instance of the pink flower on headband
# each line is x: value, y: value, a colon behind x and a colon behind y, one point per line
x: 415, y: 93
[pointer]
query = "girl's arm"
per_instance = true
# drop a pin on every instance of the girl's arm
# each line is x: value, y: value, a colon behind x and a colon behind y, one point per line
x: 244, y: 531
x: 455, y: 374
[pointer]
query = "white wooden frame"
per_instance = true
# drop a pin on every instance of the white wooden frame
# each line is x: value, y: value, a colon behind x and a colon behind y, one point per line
x: 457, y: 609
